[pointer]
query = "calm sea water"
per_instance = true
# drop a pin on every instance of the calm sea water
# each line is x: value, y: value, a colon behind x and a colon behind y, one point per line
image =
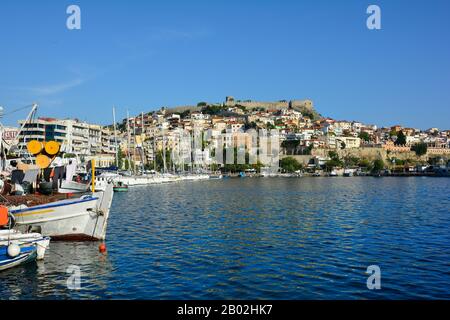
x: 307, y: 238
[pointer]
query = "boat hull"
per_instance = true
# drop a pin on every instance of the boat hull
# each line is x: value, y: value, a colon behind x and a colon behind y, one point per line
x: 81, y: 219
x: 23, y: 239
x: 6, y: 262
x: 120, y: 189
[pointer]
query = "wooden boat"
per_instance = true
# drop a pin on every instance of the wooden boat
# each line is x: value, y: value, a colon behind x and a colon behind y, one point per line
x: 78, y: 218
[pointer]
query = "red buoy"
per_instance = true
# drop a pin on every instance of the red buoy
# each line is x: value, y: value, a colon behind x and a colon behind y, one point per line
x: 102, y: 248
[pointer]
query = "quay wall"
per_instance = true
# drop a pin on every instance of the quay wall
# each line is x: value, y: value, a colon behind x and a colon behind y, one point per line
x: 366, y: 153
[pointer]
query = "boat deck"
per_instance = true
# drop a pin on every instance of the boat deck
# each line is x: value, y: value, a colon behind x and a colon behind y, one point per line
x: 32, y: 200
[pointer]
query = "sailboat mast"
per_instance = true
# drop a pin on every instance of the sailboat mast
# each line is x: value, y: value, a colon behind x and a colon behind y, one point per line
x: 154, y: 150
x: 134, y: 146
x: 115, y: 137
x: 129, y: 140
x: 164, y: 151
x: 142, y: 142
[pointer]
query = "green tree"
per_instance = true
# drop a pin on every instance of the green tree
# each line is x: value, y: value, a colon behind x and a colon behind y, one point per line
x: 290, y: 164
x: 420, y: 149
x: 365, y: 163
x: 351, y: 160
x: 334, y: 162
x: 185, y: 114
x: 378, y: 165
x: 212, y: 110
x: 290, y: 145
x: 308, y: 150
x: 160, y: 160
x: 127, y: 164
x: 120, y: 157
x: 69, y: 155
x: 250, y: 125
x: 333, y: 155
x: 364, y: 136
x: 401, y: 139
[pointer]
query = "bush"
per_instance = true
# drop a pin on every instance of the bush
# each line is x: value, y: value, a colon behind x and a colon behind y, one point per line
x: 290, y: 164
x: 364, y: 136
x: 378, y: 165
x: 420, y: 149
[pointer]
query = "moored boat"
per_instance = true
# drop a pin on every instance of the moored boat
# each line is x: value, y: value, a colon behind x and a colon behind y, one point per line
x: 8, y: 237
x: 333, y: 174
x: 120, y: 187
x: 13, y: 255
x: 348, y: 173
x: 81, y: 218
x: 17, y: 248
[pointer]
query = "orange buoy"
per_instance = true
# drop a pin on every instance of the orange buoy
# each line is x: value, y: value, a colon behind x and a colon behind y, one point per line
x: 34, y: 147
x: 102, y: 248
x: 42, y: 161
x: 52, y: 148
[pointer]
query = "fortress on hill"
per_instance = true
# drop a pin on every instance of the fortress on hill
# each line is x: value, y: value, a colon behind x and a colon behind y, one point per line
x: 304, y: 106
x: 273, y: 105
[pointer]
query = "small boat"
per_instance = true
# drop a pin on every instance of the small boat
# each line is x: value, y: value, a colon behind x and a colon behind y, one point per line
x: 14, y: 255
x: 120, y: 187
x: 348, y: 173
x: 17, y: 248
x: 8, y: 237
x: 316, y: 174
x: 333, y: 174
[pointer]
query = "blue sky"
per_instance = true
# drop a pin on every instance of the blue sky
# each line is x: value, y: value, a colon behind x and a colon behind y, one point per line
x: 141, y: 55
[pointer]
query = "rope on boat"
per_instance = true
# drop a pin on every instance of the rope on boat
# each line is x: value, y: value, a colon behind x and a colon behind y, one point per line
x: 48, y: 249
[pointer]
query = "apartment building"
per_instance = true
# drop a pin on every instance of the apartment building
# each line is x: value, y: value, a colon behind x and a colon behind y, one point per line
x: 42, y: 129
x: 76, y: 137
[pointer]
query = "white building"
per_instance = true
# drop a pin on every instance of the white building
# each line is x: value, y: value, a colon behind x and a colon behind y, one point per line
x: 79, y: 138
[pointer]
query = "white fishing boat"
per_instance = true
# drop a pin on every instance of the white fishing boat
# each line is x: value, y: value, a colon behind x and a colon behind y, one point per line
x: 83, y: 218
